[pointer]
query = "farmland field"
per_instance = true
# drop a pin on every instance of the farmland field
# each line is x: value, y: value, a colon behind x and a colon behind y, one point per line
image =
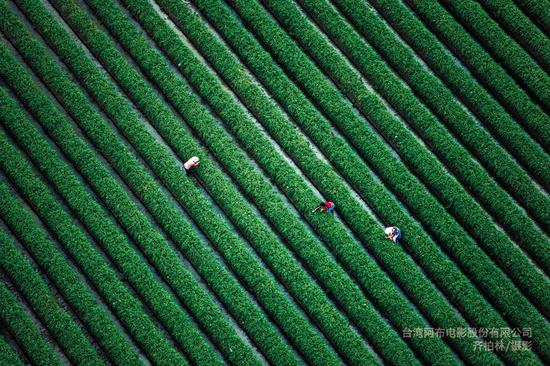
x: 431, y: 116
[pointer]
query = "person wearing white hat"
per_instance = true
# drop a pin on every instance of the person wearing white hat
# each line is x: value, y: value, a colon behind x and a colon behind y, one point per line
x: 191, y: 163
x: 393, y: 233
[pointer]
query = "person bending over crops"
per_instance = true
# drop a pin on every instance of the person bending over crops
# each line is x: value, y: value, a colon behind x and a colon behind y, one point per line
x: 325, y: 207
x: 393, y: 233
x: 190, y: 164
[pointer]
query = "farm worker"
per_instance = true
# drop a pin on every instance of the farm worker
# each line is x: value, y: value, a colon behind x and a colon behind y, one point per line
x: 325, y: 207
x: 191, y: 163
x: 393, y: 233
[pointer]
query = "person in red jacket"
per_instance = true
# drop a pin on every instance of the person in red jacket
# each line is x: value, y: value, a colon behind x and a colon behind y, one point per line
x: 325, y: 207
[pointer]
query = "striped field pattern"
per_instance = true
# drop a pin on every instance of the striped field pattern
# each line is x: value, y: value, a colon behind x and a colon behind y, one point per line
x: 433, y: 116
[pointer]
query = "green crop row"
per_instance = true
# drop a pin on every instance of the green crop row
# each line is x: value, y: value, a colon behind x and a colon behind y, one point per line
x: 485, y: 69
x: 286, y: 136
x: 234, y: 77
x: 217, y: 56
x: 135, y: 270
x: 8, y: 356
x: 443, y: 104
x: 52, y: 260
x: 504, y: 49
x: 265, y: 243
x: 539, y: 11
x: 172, y: 267
x: 297, y: 106
x: 252, y: 184
x: 521, y: 28
x: 453, y: 238
x: 22, y: 328
x: 477, y: 221
x: 240, y: 260
x: 237, y: 121
x: 222, y: 196
x: 138, y: 273
x: 265, y: 155
x: 135, y: 86
x: 532, y: 280
x: 254, y: 274
x: 100, y: 274
x: 210, y: 134
x: 472, y: 216
x: 490, y: 112
x: 70, y: 337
